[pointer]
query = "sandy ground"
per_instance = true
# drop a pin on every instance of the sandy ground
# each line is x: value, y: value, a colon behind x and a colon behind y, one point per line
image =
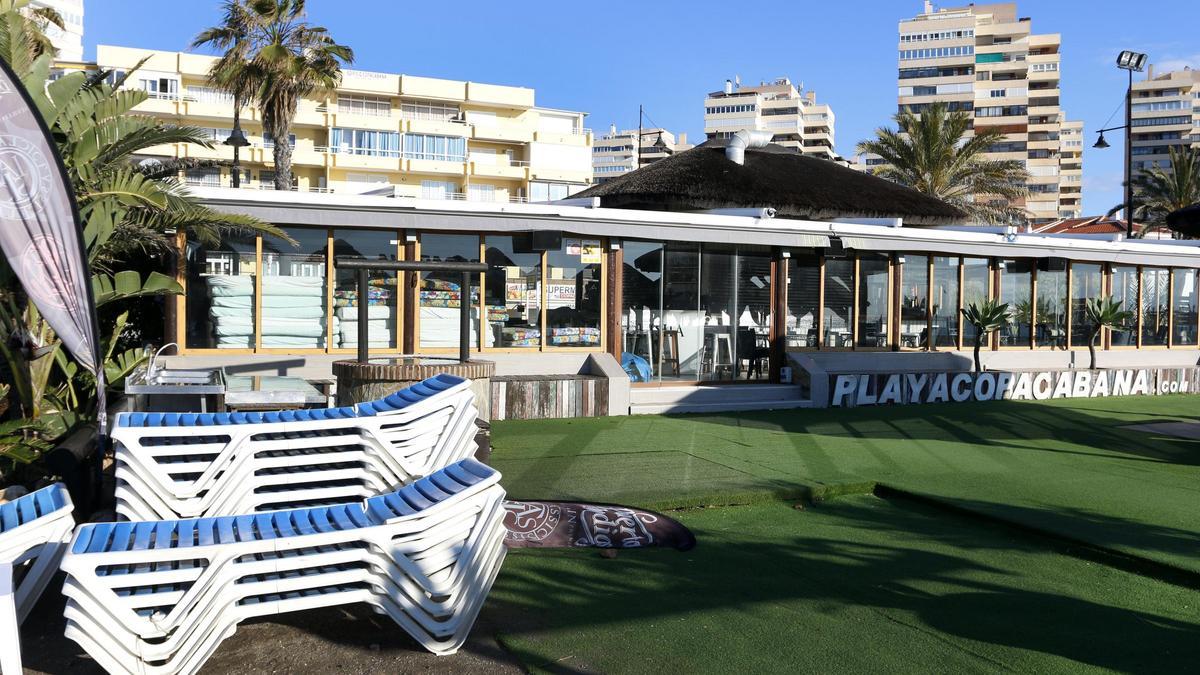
x: 340, y: 639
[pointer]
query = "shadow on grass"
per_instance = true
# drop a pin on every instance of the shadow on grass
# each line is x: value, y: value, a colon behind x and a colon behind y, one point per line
x: 1019, y: 599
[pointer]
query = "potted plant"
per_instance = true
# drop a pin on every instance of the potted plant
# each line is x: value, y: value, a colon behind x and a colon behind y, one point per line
x: 987, y: 316
x: 1101, y: 312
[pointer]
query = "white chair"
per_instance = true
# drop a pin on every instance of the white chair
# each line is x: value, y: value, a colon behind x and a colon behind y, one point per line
x: 175, y: 465
x: 34, y: 530
x: 160, y: 596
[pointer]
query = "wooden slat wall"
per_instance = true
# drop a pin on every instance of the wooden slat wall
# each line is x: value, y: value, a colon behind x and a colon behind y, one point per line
x: 550, y: 397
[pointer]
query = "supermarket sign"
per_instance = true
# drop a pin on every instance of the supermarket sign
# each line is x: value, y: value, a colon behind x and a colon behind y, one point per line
x: 856, y: 389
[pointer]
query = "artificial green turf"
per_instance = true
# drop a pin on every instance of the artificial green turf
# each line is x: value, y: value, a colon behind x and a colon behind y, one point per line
x: 858, y: 584
x: 1062, y: 466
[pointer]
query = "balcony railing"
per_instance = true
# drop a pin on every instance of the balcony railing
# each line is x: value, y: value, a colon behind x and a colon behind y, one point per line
x: 468, y: 197
x: 364, y: 152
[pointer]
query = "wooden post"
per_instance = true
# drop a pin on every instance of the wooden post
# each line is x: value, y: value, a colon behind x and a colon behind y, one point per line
x: 615, y: 278
x: 779, y: 309
x: 409, y: 282
x: 363, y: 302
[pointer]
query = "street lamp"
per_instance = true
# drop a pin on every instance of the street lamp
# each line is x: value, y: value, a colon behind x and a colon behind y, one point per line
x: 1131, y: 62
x: 237, y: 140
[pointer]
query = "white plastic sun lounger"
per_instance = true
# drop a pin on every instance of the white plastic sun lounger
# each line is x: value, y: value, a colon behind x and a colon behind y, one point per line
x: 160, y: 596
x: 172, y: 465
x: 34, y: 530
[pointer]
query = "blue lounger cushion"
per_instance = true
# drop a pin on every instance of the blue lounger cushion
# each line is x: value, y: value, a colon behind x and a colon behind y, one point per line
x: 32, y: 506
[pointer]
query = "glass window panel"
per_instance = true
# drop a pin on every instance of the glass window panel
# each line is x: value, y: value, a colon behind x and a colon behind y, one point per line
x: 976, y: 285
x: 293, y: 291
x: 839, y: 303
x: 1086, y: 284
x: 718, y: 302
x: 945, y: 302
x: 803, y: 297
x: 641, y: 315
x: 914, y: 302
x: 752, y: 341
x: 1016, y: 285
x: 220, y: 294
x: 573, y: 298
x: 382, y: 309
x: 1124, y: 292
x: 1052, y: 303
x: 682, y: 316
x: 514, y: 293
x: 1156, y: 307
x: 873, y: 301
x: 440, y: 293
x: 1183, y: 303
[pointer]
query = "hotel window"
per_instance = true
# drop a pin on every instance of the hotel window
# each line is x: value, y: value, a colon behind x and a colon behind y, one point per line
x: 1052, y: 303
x: 269, y: 141
x: 209, y: 177
x: 1016, y: 285
x: 544, y: 192
x: 839, y: 303
x: 438, y: 112
x: 641, y: 315
x: 1087, y: 283
x: 1125, y: 293
x: 439, y: 189
x: 481, y: 192
x: 364, y: 105
x: 365, y: 142
x: 914, y: 302
x: 1183, y: 307
x: 294, y: 308
x: 573, y: 298
x: 438, y: 148
x: 976, y: 288
x: 1156, y: 306
x: 874, y: 277
x: 382, y: 308
x: 513, y: 295
x: 944, y: 302
x: 440, y: 293
x: 220, y: 293
x: 803, y: 298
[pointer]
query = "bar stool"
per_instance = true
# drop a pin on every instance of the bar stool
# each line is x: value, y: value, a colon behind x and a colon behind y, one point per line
x: 720, y: 354
x: 669, y: 346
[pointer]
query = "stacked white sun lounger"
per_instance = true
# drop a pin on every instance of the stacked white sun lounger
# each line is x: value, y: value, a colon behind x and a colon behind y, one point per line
x: 179, y: 465
x: 34, y: 530
x: 159, y: 597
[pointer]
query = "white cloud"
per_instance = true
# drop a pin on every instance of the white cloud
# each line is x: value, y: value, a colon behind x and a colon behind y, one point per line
x: 1177, y: 63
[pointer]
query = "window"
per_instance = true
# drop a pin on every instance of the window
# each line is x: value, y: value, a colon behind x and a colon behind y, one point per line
x: 1125, y: 293
x: 1086, y: 284
x: 936, y: 71
x: 976, y: 288
x: 204, y: 94
x: 1156, y: 297
x: 1016, y: 284
x: 540, y: 191
x: 440, y: 293
x: 839, y: 303
x: 208, y: 177
x: 364, y: 105
x: 294, y: 310
x: 803, y: 291
x: 723, y: 109
x: 481, y: 192
x: 438, y: 148
x: 1183, y: 305
x: 914, y: 302
x: 159, y: 87
x: 573, y: 302
x: 220, y: 293
x: 944, y: 302
x: 269, y: 141
x: 1001, y: 111
x: 439, y: 112
x: 1052, y: 303
x: 365, y: 142
x: 382, y: 307
x: 514, y: 293
x: 935, y: 52
x: 1160, y: 105
x: 873, y: 296
x: 1043, y: 67
x: 439, y: 189
x: 938, y: 35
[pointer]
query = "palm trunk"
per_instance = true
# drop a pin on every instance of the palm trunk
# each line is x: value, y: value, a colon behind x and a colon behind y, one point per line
x: 283, y: 153
x: 235, y: 177
x: 978, y: 344
x: 1092, y: 346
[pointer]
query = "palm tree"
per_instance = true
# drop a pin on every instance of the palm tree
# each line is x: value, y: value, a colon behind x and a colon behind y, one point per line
x: 988, y: 316
x: 1158, y: 191
x: 932, y: 153
x: 23, y: 32
x: 1101, y: 312
x: 272, y: 52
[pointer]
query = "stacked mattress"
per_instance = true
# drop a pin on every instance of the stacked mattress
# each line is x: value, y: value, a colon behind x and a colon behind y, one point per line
x: 293, y: 311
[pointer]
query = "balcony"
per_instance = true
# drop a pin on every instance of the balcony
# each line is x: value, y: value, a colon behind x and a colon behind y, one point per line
x: 359, y: 120
x: 505, y: 133
x: 568, y: 175
x: 513, y: 169
x: 360, y: 158
x: 577, y: 136
x: 433, y: 164
x: 310, y: 114
x: 439, y: 127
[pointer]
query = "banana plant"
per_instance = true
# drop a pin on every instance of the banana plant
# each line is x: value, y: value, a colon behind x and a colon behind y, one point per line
x: 987, y: 316
x: 1103, y: 312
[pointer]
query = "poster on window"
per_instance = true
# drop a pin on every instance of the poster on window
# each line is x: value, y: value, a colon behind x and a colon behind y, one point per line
x: 589, y: 252
x: 572, y: 246
x: 560, y: 294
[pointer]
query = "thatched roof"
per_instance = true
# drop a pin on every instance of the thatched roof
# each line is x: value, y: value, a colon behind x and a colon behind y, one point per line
x: 796, y: 186
x: 1185, y: 221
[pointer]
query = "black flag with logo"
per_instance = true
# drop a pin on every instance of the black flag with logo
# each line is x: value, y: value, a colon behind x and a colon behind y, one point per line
x: 553, y: 524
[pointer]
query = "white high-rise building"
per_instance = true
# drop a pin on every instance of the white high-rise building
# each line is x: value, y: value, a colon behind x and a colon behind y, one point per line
x: 619, y: 152
x: 792, y: 115
x: 69, y: 39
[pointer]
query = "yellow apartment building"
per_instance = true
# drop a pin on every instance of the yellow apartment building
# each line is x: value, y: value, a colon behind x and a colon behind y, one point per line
x: 1166, y: 112
x: 379, y: 133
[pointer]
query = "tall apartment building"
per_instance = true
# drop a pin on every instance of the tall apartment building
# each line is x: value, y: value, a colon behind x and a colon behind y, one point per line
x: 380, y: 133
x: 68, y: 40
x: 619, y: 152
x: 1166, y: 112
x: 985, y: 60
x: 794, y: 117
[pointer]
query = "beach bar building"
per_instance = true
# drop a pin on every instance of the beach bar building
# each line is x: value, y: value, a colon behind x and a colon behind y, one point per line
x: 735, y: 275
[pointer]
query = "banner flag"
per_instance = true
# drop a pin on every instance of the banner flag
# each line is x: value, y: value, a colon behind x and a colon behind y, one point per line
x: 40, y: 232
x: 553, y: 524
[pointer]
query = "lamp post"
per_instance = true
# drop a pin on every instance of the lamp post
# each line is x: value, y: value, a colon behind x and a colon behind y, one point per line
x: 1131, y: 62
x: 237, y: 140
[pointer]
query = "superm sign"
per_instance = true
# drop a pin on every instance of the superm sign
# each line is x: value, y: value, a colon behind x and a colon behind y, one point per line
x: 903, y: 388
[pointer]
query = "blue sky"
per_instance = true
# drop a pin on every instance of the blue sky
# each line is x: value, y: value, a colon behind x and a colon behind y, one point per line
x: 606, y: 58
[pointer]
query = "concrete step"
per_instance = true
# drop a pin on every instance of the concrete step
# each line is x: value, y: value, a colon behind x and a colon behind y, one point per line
x: 656, y: 400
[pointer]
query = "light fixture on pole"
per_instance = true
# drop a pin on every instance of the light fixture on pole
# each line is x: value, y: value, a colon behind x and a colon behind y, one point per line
x: 1132, y: 62
x: 237, y: 140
